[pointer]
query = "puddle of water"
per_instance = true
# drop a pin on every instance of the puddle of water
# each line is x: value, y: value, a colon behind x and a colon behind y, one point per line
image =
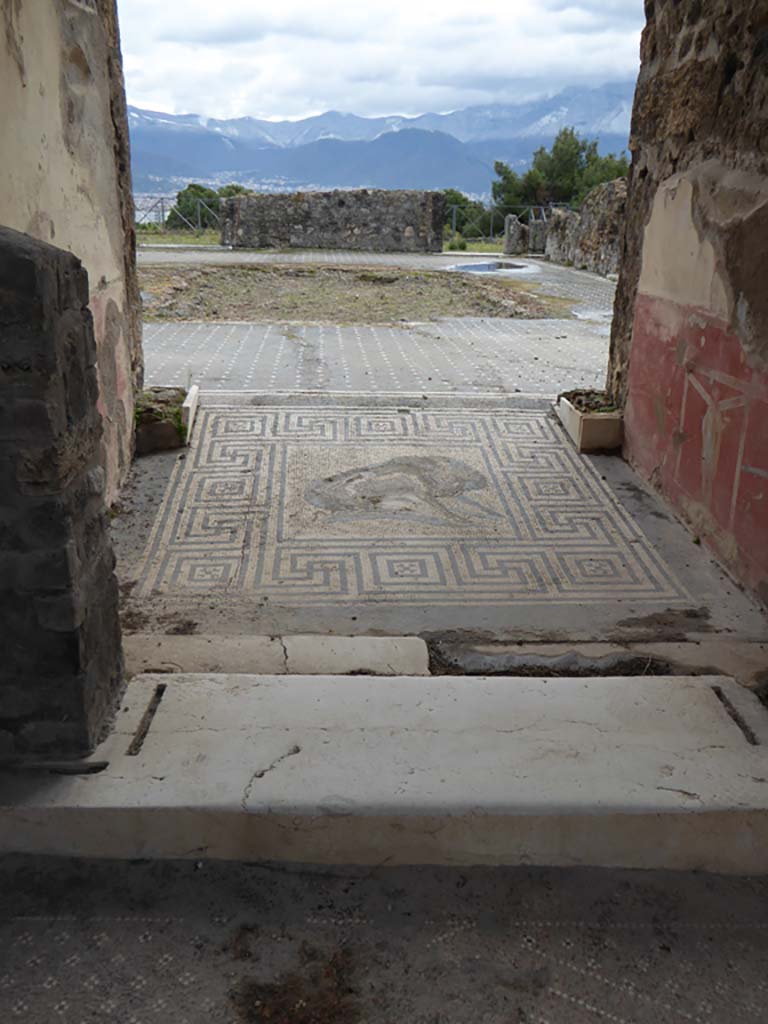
x: 601, y: 319
x: 594, y: 314
x: 495, y: 267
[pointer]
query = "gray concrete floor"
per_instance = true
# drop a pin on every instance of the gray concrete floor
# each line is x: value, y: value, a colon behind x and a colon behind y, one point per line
x: 464, y: 356
x: 208, y: 943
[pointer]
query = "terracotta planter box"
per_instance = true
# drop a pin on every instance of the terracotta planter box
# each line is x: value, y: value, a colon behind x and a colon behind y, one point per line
x: 590, y: 431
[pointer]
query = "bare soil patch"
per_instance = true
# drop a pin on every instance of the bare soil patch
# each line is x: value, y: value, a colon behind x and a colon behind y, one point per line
x: 338, y: 295
x: 586, y: 400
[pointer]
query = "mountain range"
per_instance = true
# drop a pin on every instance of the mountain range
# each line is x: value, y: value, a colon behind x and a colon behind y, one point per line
x: 337, y: 150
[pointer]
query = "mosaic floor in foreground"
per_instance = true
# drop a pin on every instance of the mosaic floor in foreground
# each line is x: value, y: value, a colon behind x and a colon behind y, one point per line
x: 323, y: 505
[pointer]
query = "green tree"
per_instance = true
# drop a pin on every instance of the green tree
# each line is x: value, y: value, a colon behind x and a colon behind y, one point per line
x: 227, y: 191
x: 507, y: 190
x: 471, y: 217
x: 561, y: 166
x: 196, y: 207
x: 563, y: 174
x: 598, y: 169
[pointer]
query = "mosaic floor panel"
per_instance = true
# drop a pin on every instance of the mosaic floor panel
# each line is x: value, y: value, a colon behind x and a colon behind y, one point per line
x: 324, y: 505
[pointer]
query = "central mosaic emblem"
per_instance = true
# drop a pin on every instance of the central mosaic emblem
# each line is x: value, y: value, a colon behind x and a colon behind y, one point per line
x: 409, y: 485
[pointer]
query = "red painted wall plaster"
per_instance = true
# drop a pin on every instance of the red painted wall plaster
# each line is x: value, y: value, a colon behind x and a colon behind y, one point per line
x: 697, y: 426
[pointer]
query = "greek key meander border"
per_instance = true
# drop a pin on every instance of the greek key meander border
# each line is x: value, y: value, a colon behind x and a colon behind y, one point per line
x: 536, y: 428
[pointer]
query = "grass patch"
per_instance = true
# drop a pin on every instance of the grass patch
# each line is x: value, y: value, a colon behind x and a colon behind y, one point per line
x: 456, y: 243
x: 156, y: 405
x: 209, y: 236
x: 490, y: 247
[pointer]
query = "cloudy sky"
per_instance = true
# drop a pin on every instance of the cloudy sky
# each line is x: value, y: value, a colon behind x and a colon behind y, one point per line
x: 228, y: 58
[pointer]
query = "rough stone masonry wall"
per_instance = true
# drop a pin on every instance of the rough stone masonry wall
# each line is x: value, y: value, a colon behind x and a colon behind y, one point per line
x: 60, y: 657
x: 689, y: 351
x: 371, y: 221
x: 590, y: 238
x: 66, y: 178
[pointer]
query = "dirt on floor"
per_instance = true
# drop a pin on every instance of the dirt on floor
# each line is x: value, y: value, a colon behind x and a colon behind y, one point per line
x: 337, y: 295
x: 320, y: 993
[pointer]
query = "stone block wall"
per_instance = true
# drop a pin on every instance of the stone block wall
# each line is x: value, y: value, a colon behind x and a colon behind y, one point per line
x: 515, y: 236
x: 689, y: 349
x: 67, y: 179
x: 590, y: 239
x: 537, y: 237
x: 60, y: 654
x: 562, y: 236
x: 368, y: 221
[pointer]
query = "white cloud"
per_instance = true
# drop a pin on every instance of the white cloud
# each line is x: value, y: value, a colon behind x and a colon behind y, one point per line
x: 236, y: 57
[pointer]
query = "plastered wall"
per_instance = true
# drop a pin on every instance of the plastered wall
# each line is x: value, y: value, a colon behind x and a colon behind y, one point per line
x: 65, y: 178
x: 690, y: 343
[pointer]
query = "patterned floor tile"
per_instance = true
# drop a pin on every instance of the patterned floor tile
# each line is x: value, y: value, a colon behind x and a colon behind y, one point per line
x: 320, y: 504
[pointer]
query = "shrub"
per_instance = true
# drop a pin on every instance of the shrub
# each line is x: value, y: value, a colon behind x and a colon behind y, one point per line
x: 457, y: 242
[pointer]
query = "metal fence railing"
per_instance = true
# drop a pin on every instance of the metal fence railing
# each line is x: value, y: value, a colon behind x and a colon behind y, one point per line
x: 488, y: 224
x: 164, y: 213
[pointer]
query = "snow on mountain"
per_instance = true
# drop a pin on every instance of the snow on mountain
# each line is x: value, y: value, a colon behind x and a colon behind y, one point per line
x: 169, y: 147
x: 606, y: 109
